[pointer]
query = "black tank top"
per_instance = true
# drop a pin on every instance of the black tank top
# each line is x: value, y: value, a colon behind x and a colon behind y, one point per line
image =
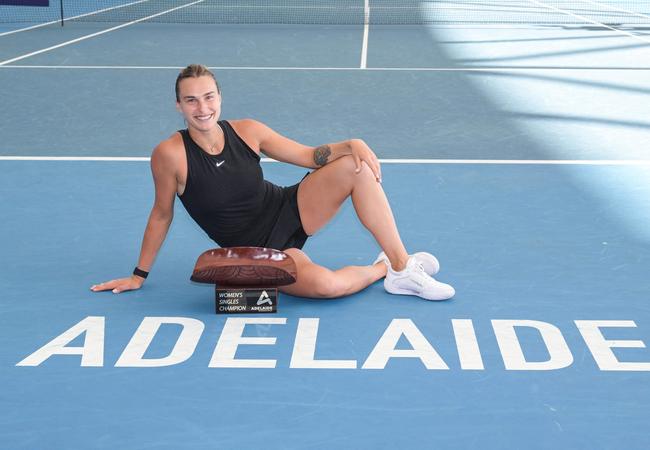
x: 226, y: 194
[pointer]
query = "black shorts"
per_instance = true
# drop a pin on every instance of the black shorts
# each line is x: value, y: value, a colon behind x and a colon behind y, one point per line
x: 287, y: 231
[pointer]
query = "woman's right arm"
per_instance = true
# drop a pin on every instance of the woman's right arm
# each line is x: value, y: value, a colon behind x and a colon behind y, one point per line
x: 164, y: 167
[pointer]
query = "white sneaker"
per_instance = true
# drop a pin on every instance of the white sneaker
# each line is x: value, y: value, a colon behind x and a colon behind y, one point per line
x: 429, y: 262
x: 413, y: 280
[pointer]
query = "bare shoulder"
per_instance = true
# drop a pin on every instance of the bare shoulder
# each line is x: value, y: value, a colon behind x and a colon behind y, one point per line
x: 251, y: 131
x: 169, y: 153
x: 246, y: 124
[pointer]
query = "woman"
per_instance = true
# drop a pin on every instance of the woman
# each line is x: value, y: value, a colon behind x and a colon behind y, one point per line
x: 213, y: 167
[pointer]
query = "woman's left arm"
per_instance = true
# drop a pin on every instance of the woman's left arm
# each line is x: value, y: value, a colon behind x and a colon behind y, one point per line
x: 281, y: 148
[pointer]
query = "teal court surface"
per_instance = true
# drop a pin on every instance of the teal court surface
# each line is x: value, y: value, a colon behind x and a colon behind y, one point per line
x: 514, y: 144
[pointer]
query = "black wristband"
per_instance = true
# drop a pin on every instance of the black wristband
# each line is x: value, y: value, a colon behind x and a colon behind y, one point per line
x: 140, y: 273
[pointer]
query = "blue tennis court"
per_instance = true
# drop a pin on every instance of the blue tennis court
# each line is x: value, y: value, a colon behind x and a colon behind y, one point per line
x: 513, y: 138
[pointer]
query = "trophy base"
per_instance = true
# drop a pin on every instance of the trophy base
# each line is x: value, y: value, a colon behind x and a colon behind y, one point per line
x: 246, y: 300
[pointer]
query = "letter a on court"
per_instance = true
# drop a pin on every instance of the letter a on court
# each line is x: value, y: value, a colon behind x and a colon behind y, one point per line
x: 92, y: 350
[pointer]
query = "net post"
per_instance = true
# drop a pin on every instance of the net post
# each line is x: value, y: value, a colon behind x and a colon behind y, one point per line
x: 61, y: 9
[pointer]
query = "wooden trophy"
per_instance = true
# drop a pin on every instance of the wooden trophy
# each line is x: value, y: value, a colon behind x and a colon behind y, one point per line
x: 246, y: 279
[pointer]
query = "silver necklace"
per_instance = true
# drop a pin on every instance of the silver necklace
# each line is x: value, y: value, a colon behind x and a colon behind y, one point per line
x: 211, y: 150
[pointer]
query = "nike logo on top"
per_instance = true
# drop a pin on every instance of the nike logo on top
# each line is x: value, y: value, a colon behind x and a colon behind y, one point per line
x: 220, y: 163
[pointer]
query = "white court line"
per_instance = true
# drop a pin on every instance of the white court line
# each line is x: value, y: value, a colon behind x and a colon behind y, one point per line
x: 29, y: 28
x: 83, y: 38
x: 551, y: 162
x: 366, y: 30
x: 569, y: 13
x: 613, y: 8
x: 77, y: 158
x: 378, y: 69
x: 71, y: 18
x: 561, y: 162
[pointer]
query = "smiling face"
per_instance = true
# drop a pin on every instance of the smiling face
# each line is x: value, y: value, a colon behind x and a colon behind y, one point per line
x: 199, y: 101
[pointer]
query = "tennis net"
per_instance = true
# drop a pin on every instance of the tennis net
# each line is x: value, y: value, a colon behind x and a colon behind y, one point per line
x: 406, y: 12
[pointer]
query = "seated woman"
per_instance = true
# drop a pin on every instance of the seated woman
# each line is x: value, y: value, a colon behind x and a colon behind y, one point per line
x: 214, y: 168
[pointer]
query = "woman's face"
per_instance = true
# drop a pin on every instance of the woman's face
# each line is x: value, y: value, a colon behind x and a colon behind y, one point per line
x: 199, y: 102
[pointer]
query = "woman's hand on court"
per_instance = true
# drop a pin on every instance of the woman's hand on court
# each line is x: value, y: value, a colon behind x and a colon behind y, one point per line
x: 120, y: 285
x: 362, y: 153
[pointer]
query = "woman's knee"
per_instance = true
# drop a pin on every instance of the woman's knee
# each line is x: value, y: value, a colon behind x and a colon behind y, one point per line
x: 350, y: 166
x: 331, y: 286
x: 364, y: 175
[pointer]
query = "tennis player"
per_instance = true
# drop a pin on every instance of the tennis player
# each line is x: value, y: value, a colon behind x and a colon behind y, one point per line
x: 213, y: 167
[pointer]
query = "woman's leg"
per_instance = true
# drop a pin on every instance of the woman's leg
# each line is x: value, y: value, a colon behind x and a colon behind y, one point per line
x: 321, y: 194
x: 320, y: 282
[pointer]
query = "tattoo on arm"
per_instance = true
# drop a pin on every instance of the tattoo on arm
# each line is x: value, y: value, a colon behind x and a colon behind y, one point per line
x: 322, y: 154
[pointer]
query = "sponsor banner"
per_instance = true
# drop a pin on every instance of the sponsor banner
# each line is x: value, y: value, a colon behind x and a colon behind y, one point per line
x: 246, y: 300
x: 25, y: 2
